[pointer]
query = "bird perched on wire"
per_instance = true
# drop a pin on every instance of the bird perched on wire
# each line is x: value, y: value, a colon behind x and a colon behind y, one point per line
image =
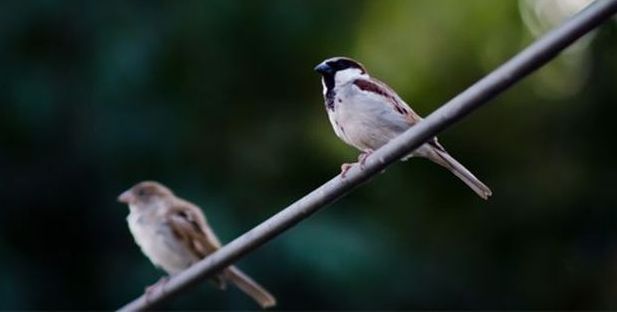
x: 366, y: 114
x: 174, y: 234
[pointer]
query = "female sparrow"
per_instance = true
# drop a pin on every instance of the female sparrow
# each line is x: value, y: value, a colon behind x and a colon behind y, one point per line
x: 365, y: 113
x: 173, y: 234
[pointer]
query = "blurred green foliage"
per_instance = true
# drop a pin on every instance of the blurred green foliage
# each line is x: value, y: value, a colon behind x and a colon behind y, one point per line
x: 217, y: 99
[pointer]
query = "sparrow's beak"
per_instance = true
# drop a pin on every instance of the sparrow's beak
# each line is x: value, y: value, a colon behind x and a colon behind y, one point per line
x: 126, y: 197
x: 323, y: 68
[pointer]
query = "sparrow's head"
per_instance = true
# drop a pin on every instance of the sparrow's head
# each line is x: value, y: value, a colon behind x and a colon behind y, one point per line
x: 145, y: 192
x: 339, y: 70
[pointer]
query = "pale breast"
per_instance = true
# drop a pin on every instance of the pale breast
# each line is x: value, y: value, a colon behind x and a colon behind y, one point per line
x: 159, y: 244
x: 365, y: 121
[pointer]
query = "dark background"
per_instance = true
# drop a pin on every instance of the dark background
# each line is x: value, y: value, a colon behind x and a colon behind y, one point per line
x: 218, y: 100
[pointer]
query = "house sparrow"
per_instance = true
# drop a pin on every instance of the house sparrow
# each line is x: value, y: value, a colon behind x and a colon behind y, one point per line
x: 365, y: 113
x: 174, y: 234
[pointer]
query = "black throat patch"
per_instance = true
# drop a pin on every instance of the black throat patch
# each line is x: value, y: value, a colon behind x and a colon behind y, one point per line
x: 328, y: 80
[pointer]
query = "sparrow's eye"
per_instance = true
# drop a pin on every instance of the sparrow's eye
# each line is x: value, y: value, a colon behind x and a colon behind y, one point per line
x: 141, y: 192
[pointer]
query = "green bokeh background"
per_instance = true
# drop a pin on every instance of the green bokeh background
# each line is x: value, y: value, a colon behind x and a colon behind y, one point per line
x: 217, y: 99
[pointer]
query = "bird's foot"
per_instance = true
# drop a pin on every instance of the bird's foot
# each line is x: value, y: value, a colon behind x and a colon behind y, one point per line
x: 344, y: 168
x: 152, y: 288
x: 363, y: 156
x: 361, y: 160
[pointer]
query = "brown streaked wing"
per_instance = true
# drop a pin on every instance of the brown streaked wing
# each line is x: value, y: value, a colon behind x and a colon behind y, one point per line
x: 382, y: 89
x: 189, y: 225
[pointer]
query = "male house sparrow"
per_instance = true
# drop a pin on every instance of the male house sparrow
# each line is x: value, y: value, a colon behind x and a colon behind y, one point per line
x: 365, y: 113
x: 173, y: 234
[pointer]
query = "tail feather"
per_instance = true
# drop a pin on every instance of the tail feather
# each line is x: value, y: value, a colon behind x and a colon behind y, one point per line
x: 444, y: 159
x: 250, y: 287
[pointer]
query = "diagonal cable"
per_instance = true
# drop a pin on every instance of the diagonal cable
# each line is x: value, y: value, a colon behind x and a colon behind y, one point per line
x: 521, y: 65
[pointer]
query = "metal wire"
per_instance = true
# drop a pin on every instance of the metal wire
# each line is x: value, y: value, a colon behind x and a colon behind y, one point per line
x: 528, y: 60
